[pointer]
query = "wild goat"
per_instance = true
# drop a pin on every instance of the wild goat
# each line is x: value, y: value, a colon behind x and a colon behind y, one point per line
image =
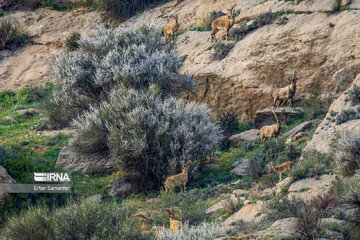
x: 222, y: 23
x: 171, y: 28
x: 146, y: 222
x: 180, y: 180
x: 174, y: 224
x: 286, y: 166
x: 285, y: 93
x: 270, y: 131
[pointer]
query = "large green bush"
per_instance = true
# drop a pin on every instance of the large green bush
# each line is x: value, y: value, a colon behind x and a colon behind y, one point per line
x: 150, y: 138
x: 89, y: 219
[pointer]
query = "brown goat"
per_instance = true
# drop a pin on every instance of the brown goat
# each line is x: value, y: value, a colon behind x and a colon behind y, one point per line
x: 286, y: 166
x: 180, y: 180
x: 146, y: 222
x: 174, y: 224
x: 171, y: 28
x: 222, y: 23
x: 285, y: 93
x: 270, y: 131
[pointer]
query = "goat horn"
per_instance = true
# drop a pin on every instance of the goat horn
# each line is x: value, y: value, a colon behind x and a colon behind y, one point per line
x: 275, y: 116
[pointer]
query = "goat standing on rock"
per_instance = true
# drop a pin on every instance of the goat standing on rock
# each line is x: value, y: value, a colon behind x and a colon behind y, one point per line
x: 286, y: 166
x: 171, y: 29
x: 270, y: 131
x: 225, y: 23
x: 285, y: 93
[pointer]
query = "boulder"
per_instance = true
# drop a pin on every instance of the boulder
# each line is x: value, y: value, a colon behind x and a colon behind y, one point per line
x: 283, y: 185
x: 268, y: 193
x: 248, y: 213
x: 5, y: 178
x: 28, y: 111
x: 247, y: 202
x: 225, y: 203
x: 285, y: 114
x: 71, y: 161
x: 241, y: 193
x: 119, y: 188
x: 281, y: 229
x: 299, y: 128
x: 247, y: 136
x: 10, y: 119
x: 242, y: 168
x: 309, y: 188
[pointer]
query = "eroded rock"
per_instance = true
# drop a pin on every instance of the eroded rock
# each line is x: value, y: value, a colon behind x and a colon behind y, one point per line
x: 247, y: 136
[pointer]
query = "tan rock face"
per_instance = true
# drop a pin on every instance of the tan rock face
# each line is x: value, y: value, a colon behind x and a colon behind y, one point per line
x: 309, y: 188
x: 248, y: 213
x: 328, y: 129
x: 32, y: 65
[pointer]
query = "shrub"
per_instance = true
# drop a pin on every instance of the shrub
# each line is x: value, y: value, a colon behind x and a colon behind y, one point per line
x: 229, y: 122
x: 348, y: 152
x: 71, y: 42
x: 89, y: 219
x: 354, y: 95
x: 336, y: 7
x: 204, y: 231
x: 150, y: 138
x: 108, y: 58
x: 124, y: 9
x: 221, y: 50
x: 351, y: 200
x: 314, y: 164
x: 10, y: 34
x: 23, y: 227
x: 316, y: 108
x: 10, y: 4
x: 306, y: 224
x: 238, y: 33
x: 348, y: 114
x: 325, y: 203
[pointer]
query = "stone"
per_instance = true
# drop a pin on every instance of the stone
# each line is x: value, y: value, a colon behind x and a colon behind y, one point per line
x: 309, y: 188
x: 241, y: 193
x: 5, y: 178
x: 247, y: 202
x: 10, y: 119
x: 268, y: 193
x: 119, y: 188
x: 296, y: 130
x: 248, y: 213
x: 28, y: 111
x: 232, y: 200
x: 71, y: 161
x: 242, y: 168
x: 283, y: 185
x: 284, y: 114
x: 281, y: 229
x: 247, y: 136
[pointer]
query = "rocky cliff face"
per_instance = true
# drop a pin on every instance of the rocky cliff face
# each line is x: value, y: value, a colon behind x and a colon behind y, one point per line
x: 314, y: 42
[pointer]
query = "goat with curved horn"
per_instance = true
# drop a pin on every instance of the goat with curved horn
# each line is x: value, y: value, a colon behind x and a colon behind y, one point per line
x: 285, y: 93
x: 270, y: 131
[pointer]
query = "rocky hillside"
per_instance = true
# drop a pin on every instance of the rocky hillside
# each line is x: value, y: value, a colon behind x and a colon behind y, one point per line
x: 309, y: 39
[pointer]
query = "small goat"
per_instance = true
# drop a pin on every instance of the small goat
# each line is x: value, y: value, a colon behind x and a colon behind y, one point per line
x: 171, y: 28
x: 286, y: 166
x: 174, y: 224
x: 180, y: 180
x: 223, y: 22
x: 285, y: 93
x: 270, y: 131
x: 146, y: 222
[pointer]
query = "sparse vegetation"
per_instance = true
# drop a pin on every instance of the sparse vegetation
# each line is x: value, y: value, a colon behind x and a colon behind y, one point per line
x: 348, y: 152
x: 348, y: 114
x: 10, y: 4
x: 124, y: 9
x: 10, y: 34
x: 72, y: 42
x: 86, y: 220
x: 336, y: 7
x: 354, y: 95
x: 314, y: 164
